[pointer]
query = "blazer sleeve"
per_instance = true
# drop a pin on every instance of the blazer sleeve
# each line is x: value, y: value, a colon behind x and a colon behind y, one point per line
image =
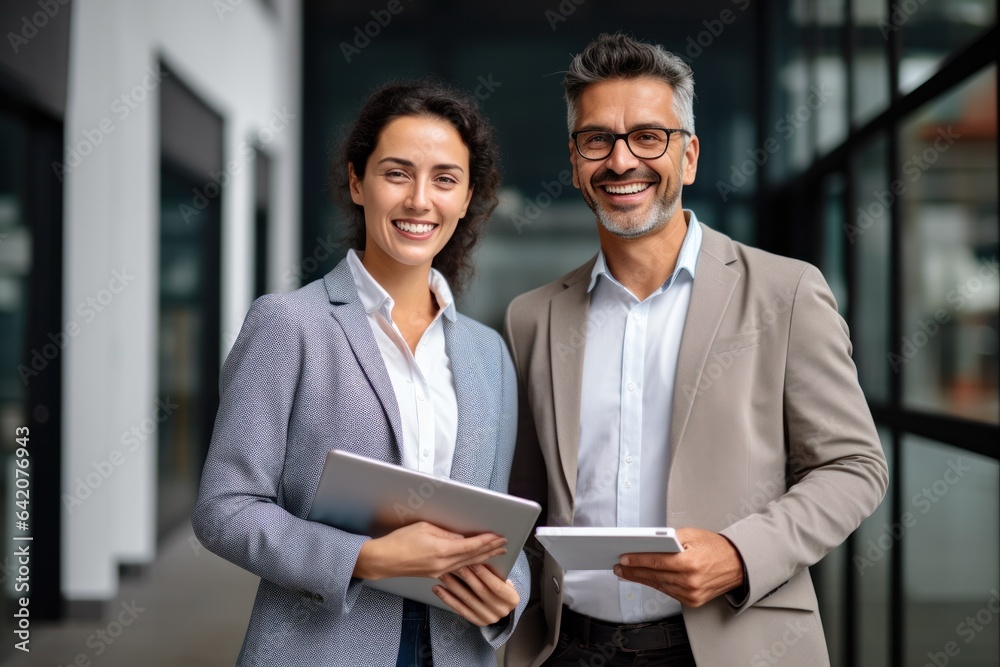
x: 834, y: 456
x: 238, y: 514
x: 498, y: 633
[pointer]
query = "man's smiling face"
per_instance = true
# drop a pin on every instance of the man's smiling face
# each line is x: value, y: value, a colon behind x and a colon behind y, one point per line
x: 630, y: 196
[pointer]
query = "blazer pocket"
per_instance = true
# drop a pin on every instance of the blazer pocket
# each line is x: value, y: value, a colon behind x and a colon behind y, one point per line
x: 735, y: 343
x: 796, y: 593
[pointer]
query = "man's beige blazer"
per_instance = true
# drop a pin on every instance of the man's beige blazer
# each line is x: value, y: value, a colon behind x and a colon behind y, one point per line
x: 771, y: 444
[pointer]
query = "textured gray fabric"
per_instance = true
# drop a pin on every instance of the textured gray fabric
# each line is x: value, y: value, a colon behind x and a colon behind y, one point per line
x: 305, y: 376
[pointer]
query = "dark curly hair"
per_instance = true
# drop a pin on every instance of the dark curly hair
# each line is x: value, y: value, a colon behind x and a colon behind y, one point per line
x: 425, y: 97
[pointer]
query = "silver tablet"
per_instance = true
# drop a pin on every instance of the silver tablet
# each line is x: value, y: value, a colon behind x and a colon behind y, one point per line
x: 580, y: 548
x: 370, y: 497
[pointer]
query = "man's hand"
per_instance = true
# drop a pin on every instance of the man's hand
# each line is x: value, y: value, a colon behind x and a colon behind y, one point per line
x: 423, y: 550
x: 478, y: 594
x: 708, y: 567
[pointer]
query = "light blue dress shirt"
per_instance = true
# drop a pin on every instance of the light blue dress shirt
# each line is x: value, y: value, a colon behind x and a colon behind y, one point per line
x: 630, y: 362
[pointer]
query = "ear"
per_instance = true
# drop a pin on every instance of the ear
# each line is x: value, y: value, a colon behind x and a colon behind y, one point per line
x: 468, y: 198
x: 689, y: 161
x: 357, y: 194
x: 573, y: 157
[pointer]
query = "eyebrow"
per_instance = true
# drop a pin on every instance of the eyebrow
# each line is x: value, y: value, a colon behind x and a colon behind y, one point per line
x: 408, y: 163
x: 631, y: 128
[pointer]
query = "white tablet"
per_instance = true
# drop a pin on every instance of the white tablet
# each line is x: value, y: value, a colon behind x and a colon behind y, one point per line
x: 370, y: 497
x: 601, y: 548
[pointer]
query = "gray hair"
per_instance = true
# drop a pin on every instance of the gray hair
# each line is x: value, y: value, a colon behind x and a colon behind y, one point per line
x: 619, y: 56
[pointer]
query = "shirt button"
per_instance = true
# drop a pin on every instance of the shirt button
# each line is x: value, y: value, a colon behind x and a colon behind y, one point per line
x: 636, y: 316
x: 426, y: 453
x: 631, y: 386
x: 628, y: 459
x: 420, y: 397
x: 630, y: 596
x: 628, y: 485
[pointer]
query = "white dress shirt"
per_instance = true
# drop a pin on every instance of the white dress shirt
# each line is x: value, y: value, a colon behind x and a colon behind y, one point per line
x: 630, y: 362
x: 423, y: 382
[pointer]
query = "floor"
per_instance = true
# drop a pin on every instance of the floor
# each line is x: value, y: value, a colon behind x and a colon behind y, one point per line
x: 189, y: 609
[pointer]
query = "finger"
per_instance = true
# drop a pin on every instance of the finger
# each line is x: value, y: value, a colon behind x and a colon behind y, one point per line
x: 498, y: 596
x: 478, y: 557
x: 644, y: 573
x: 651, y: 560
x: 486, y: 542
x: 460, y: 597
x: 502, y: 588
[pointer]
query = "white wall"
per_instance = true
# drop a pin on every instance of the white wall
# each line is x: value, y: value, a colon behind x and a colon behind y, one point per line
x: 244, y: 63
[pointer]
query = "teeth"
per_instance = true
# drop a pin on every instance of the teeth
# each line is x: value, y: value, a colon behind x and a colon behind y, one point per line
x: 629, y: 189
x: 413, y: 228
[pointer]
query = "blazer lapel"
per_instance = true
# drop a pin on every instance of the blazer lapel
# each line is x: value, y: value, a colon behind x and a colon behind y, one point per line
x: 568, y: 315
x: 348, y: 311
x: 710, y: 295
x: 471, y: 460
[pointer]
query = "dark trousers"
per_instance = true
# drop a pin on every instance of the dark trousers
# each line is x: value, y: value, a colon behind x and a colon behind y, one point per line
x: 415, y: 638
x: 600, y: 649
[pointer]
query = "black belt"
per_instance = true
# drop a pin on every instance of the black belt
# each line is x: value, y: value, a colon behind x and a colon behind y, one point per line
x: 629, y: 637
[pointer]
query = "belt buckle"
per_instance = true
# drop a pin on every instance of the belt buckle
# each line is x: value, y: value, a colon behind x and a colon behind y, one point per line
x: 621, y: 637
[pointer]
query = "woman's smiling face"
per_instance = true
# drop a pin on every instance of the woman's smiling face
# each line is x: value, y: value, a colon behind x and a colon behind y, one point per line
x: 414, y: 191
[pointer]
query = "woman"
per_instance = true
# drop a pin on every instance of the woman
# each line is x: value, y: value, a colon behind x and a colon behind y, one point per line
x: 373, y: 359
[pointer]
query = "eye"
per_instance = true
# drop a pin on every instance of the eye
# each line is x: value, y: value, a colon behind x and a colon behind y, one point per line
x: 446, y: 179
x: 395, y: 174
x: 647, y: 137
x: 596, y: 139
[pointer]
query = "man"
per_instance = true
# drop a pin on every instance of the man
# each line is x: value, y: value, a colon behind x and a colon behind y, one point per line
x: 680, y: 379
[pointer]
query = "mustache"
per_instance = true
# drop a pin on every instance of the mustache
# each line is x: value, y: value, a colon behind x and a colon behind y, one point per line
x: 608, y: 176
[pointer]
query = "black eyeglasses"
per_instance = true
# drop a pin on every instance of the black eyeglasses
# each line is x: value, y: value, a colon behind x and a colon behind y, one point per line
x: 647, y: 143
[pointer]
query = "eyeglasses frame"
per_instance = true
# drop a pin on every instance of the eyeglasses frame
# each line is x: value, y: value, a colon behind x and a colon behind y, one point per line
x: 624, y: 136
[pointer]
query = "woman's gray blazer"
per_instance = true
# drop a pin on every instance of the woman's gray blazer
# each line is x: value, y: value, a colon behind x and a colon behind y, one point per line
x: 305, y: 376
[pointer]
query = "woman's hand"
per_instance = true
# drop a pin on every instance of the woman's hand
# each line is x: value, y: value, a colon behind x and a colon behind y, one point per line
x: 478, y: 594
x: 423, y: 550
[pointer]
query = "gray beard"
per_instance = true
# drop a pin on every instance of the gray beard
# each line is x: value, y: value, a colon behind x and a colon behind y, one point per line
x: 633, y: 226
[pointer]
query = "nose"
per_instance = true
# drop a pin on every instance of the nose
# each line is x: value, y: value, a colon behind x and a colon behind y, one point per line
x: 417, y: 200
x: 621, y: 158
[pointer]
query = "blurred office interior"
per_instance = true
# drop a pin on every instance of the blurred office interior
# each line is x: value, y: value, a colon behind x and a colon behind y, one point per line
x: 164, y: 162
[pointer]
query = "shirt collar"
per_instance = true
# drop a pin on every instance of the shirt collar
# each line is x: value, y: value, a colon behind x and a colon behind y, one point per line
x: 374, y: 297
x: 687, y: 258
